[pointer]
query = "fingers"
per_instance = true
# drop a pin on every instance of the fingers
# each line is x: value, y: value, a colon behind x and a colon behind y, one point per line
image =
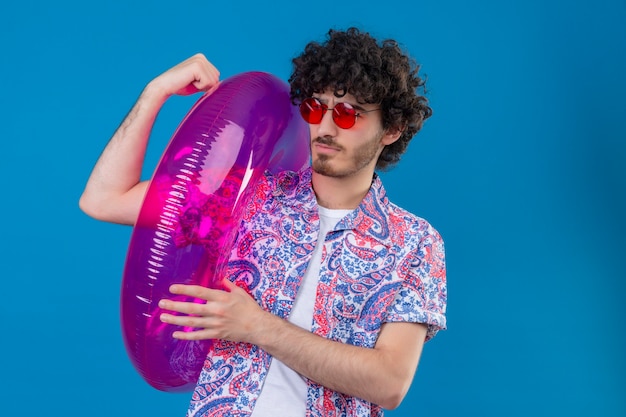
x: 203, y: 325
x: 199, y: 73
x: 197, y: 322
x: 193, y: 75
x: 191, y: 308
x: 206, y: 75
x: 229, y: 285
x: 203, y: 334
x: 195, y: 314
x: 228, y: 314
x: 196, y: 291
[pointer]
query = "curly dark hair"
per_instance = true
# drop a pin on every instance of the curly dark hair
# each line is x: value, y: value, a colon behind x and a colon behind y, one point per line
x: 354, y: 62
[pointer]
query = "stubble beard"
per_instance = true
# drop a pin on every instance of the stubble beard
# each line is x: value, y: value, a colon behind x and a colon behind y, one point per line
x: 323, y: 164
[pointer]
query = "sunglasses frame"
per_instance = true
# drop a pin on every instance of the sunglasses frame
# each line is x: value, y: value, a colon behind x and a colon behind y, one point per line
x: 341, y: 111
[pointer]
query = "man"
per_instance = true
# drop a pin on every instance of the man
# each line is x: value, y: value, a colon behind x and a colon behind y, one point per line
x: 341, y: 287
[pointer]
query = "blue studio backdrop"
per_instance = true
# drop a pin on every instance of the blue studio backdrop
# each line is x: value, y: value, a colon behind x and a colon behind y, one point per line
x: 521, y: 169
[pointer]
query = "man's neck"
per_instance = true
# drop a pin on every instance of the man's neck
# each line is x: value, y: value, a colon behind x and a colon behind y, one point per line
x: 341, y: 193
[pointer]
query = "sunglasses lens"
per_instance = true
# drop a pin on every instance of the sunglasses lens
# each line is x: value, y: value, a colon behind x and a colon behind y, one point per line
x: 344, y: 115
x: 312, y: 111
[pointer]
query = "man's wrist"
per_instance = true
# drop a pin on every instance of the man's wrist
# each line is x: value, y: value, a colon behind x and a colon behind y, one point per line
x: 154, y: 93
x: 265, y: 329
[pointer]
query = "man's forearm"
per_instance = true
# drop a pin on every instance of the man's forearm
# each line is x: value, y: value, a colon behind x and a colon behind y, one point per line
x: 381, y: 375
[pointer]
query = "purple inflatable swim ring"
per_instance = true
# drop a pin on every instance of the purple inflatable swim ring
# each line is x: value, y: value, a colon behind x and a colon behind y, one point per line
x: 194, y: 203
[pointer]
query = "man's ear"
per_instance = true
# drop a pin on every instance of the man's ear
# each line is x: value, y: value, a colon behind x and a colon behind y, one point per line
x: 391, y: 135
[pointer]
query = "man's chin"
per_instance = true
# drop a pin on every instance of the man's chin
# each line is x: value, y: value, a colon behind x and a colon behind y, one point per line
x: 322, y: 167
x: 326, y: 170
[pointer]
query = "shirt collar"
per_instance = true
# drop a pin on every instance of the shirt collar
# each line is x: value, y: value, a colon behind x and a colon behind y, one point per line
x: 370, y: 218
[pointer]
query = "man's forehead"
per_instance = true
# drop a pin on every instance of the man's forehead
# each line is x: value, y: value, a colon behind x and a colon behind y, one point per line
x: 329, y: 94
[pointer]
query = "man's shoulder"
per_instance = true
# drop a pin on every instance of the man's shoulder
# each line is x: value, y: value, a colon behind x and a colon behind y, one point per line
x: 287, y: 183
x: 400, y: 218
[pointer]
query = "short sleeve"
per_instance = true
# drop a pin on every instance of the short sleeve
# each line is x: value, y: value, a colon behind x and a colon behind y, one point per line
x: 422, y: 296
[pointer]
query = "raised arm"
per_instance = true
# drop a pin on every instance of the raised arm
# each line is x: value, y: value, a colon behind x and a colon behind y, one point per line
x: 114, y: 191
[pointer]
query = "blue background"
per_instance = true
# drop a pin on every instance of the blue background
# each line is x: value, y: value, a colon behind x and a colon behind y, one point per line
x: 521, y: 168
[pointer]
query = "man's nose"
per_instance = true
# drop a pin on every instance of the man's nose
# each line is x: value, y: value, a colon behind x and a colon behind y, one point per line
x: 327, y: 126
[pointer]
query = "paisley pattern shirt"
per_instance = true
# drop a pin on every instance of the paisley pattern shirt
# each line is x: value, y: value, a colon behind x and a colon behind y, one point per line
x: 379, y: 264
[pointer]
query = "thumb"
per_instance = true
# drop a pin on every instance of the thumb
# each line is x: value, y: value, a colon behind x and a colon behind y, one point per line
x: 229, y: 285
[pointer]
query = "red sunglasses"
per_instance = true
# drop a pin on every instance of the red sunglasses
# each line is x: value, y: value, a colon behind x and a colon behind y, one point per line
x: 344, y: 115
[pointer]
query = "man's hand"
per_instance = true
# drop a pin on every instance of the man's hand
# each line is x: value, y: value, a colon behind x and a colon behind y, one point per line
x: 191, y: 76
x: 229, y: 315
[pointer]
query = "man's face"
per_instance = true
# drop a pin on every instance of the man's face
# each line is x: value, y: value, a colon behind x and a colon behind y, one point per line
x: 340, y: 153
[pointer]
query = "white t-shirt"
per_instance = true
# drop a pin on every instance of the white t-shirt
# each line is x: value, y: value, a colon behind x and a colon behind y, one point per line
x: 284, y: 391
